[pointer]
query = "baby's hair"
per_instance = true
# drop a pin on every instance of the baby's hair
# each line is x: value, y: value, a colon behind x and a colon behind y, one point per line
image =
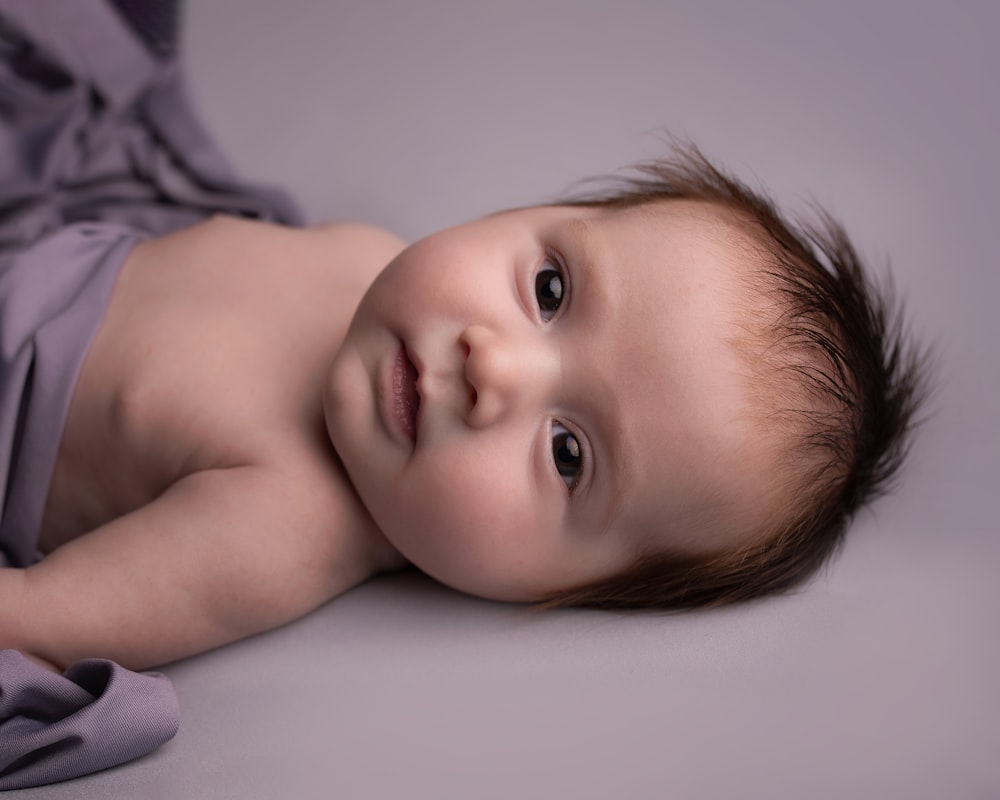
x: 835, y: 373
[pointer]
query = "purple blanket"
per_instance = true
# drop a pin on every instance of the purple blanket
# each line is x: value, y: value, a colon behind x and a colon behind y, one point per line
x: 99, y: 148
x: 97, y: 715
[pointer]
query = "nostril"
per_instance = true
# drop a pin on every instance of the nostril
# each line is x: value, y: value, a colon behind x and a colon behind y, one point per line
x: 473, y: 396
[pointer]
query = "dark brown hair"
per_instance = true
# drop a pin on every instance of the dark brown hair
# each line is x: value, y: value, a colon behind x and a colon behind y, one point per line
x: 852, y: 382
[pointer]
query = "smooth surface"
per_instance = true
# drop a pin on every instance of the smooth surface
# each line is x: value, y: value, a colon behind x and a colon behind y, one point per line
x: 878, y: 680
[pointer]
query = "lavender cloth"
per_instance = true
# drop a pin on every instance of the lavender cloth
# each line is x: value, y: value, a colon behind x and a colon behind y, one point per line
x: 96, y: 129
x: 99, y: 148
x: 56, y: 727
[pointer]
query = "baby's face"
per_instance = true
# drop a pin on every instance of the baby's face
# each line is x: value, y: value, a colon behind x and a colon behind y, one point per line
x: 529, y: 401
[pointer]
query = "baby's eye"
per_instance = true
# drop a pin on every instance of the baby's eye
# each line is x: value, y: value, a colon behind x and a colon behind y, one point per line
x: 549, y: 289
x: 567, y: 454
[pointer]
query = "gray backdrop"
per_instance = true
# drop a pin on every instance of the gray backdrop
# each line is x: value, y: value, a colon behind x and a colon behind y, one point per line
x: 878, y: 680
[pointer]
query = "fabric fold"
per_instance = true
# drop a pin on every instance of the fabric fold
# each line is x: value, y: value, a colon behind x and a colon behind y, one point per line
x: 95, y: 715
x: 100, y: 148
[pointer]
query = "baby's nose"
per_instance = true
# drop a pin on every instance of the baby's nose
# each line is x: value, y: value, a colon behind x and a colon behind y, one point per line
x: 504, y: 374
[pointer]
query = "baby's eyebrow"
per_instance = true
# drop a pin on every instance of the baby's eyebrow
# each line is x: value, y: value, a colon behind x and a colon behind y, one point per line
x: 619, y: 470
x: 582, y: 238
x: 577, y: 242
x: 586, y: 255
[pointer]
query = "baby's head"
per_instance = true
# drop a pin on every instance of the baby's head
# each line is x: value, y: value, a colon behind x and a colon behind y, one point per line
x: 661, y: 396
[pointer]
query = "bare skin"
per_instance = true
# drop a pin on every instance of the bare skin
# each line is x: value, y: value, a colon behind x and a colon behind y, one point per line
x: 244, y: 442
x: 215, y: 512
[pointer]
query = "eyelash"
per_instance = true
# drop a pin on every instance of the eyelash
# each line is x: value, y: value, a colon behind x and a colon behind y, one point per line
x: 569, y: 447
x: 546, y: 293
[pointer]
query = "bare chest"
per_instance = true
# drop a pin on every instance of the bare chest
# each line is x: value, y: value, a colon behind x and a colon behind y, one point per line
x: 208, y: 358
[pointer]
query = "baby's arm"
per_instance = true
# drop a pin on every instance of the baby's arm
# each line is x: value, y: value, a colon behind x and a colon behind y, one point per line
x: 221, y: 555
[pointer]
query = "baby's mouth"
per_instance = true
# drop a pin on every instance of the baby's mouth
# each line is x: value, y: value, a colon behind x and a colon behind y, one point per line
x: 406, y: 400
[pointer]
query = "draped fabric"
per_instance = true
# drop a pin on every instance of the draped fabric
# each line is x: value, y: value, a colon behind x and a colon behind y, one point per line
x: 99, y: 148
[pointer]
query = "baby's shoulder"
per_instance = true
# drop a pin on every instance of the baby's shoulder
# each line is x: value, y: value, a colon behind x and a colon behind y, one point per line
x: 360, y: 250
x: 378, y: 243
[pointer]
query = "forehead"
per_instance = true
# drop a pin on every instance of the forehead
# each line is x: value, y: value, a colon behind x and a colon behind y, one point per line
x: 668, y: 285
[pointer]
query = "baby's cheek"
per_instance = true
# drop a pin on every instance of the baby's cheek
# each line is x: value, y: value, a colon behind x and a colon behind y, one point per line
x: 466, y: 527
x: 451, y: 501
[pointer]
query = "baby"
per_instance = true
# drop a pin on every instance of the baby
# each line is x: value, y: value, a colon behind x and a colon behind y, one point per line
x: 663, y: 396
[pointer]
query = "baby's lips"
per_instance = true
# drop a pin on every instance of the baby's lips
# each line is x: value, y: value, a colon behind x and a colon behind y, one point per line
x: 406, y: 399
